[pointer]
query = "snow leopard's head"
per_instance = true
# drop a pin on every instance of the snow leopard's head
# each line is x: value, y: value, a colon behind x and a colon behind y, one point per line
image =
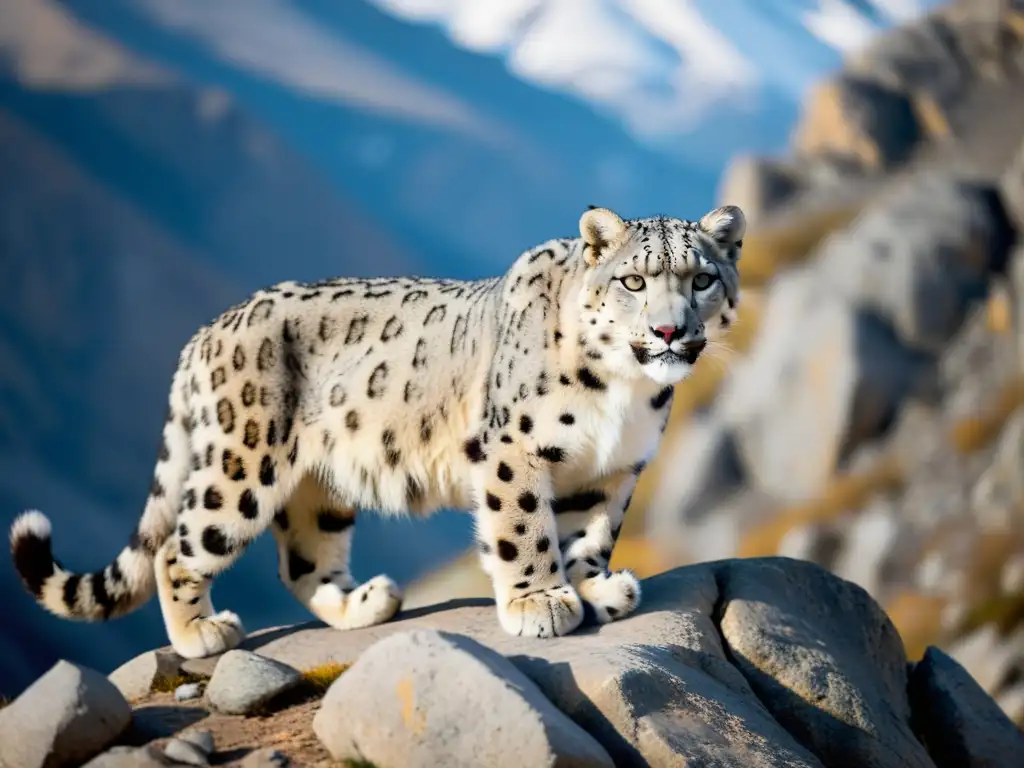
x: 657, y: 290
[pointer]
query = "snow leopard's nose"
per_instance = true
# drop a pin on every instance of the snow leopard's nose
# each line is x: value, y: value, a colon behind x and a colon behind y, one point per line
x: 668, y: 333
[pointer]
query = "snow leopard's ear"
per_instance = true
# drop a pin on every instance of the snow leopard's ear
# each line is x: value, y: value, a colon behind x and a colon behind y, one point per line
x: 726, y: 225
x: 602, y: 230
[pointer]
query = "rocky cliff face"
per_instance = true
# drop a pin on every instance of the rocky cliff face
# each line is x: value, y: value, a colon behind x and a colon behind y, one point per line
x: 868, y: 414
x: 874, y: 421
x: 759, y: 662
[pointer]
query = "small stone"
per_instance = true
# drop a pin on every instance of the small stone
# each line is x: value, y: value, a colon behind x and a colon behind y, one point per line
x: 960, y: 723
x: 266, y: 758
x: 183, y: 752
x: 188, y: 691
x: 67, y: 716
x: 244, y: 681
x: 200, y: 738
x: 129, y: 757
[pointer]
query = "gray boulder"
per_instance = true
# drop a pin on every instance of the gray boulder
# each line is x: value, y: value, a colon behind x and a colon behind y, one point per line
x: 242, y: 682
x: 860, y: 120
x: 130, y: 757
x: 424, y: 698
x: 64, y: 718
x: 824, y: 659
x: 821, y: 378
x: 920, y: 257
x: 136, y: 677
x: 917, y: 58
x: 960, y: 723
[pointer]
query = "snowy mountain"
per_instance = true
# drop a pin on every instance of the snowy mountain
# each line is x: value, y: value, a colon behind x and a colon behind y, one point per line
x: 666, y: 69
x: 161, y: 158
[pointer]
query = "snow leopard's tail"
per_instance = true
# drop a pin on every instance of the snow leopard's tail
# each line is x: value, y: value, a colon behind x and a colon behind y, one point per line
x: 128, y: 581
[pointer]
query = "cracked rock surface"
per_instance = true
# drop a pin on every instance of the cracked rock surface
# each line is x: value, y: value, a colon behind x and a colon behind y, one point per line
x: 755, y: 662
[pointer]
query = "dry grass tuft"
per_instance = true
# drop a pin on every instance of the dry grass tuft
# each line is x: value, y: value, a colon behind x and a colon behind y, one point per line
x: 169, y: 684
x: 844, y: 494
x: 918, y: 619
x: 999, y: 310
x: 976, y: 432
x: 767, y: 251
x: 318, y: 679
x: 983, y: 582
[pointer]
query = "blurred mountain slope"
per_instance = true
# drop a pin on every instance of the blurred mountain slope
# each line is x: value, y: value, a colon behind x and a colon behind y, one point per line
x: 135, y: 205
x: 162, y: 158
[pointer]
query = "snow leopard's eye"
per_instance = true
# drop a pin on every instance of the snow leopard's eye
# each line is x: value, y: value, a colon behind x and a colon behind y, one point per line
x: 633, y: 283
x: 703, y: 281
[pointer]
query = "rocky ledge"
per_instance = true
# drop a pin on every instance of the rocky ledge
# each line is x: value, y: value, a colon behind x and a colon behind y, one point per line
x: 758, y: 662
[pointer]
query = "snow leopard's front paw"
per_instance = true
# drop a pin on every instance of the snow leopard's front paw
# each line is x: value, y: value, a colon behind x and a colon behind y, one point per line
x: 546, y: 613
x: 612, y: 595
x: 205, y: 636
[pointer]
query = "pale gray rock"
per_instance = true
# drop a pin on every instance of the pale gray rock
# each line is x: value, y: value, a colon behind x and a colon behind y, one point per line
x: 919, y: 257
x: 130, y: 757
x: 960, y: 724
x: 191, y: 747
x: 920, y: 57
x: 242, y: 682
x: 424, y: 698
x: 821, y: 378
x: 200, y: 738
x: 188, y: 691
x: 183, y: 752
x: 265, y: 758
x: 67, y: 716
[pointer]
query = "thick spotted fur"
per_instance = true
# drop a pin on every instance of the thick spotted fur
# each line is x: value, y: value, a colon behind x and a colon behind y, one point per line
x: 533, y: 399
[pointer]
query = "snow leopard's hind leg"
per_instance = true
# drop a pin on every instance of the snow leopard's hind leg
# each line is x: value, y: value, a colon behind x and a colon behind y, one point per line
x: 314, y: 540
